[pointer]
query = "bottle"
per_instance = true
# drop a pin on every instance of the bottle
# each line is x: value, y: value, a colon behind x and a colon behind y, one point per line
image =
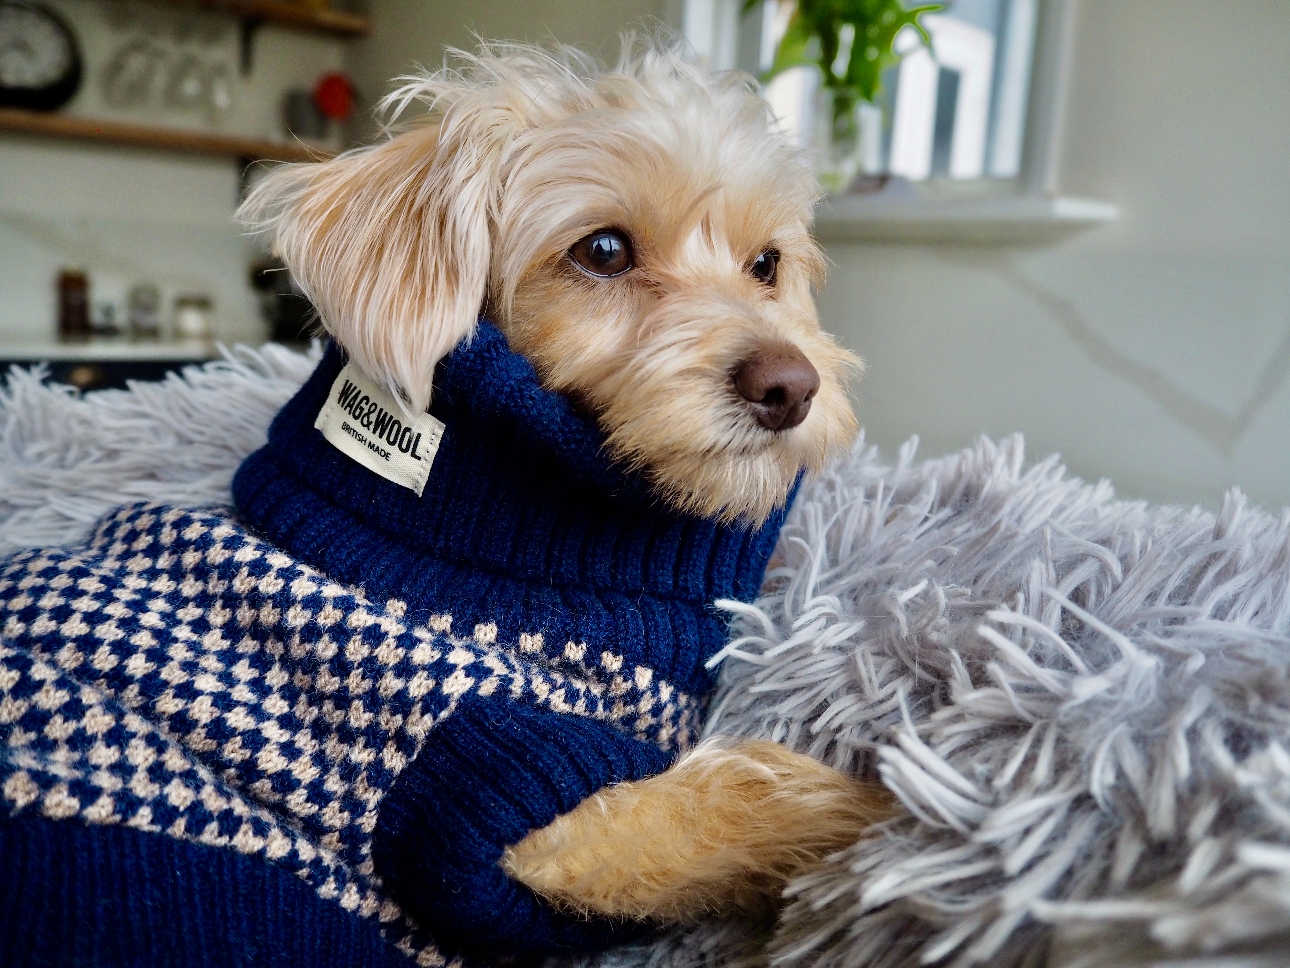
x: 73, y: 304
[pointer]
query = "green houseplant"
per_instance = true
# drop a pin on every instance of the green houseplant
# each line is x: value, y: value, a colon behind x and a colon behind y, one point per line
x: 851, y: 42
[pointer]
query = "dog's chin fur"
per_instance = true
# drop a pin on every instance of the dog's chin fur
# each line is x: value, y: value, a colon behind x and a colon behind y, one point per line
x: 518, y: 154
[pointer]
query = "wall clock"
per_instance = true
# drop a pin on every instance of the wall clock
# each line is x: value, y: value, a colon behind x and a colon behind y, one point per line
x: 40, y: 62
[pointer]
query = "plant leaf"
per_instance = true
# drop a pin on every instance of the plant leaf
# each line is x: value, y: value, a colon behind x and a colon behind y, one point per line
x: 815, y: 36
x: 794, y: 50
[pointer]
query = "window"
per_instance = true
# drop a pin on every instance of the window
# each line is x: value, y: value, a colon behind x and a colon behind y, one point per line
x: 963, y: 141
x: 956, y: 110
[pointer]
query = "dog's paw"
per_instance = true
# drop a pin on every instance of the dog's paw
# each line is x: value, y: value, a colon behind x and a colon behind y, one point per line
x: 722, y: 830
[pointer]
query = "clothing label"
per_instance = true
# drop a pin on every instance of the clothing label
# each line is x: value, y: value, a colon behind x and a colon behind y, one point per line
x: 365, y: 423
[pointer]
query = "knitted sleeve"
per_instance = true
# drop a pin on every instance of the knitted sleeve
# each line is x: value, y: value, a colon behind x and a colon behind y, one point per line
x: 180, y: 677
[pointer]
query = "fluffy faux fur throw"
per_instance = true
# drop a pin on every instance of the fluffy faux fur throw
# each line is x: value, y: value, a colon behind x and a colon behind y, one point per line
x: 67, y: 460
x: 1081, y: 702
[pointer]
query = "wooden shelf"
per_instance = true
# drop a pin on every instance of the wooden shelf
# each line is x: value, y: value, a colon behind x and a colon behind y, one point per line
x: 144, y: 136
x: 104, y: 350
x: 289, y: 13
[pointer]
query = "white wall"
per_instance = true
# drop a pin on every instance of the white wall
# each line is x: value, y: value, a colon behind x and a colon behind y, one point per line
x: 133, y: 215
x: 1154, y: 351
x: 413, y: 33
x: 126, y: 216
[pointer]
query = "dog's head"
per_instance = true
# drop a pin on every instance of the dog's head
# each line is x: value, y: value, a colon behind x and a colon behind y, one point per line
x: 641, y: 234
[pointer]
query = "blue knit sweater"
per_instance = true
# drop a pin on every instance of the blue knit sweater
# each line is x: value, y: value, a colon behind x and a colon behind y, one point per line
x: 524, y: 524
x: 305, y: 735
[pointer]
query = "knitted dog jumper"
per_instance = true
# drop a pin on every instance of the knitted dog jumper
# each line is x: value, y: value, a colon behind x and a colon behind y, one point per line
x: 524, y: 525
x: 309, y: 743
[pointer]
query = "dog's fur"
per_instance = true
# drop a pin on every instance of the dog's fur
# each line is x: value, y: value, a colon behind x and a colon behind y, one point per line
x: 475, y: 203
x: 731, y: 821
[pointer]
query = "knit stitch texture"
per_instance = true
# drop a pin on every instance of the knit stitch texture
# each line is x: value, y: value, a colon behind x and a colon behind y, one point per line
x: 524, y: 524
x: 180, y: 676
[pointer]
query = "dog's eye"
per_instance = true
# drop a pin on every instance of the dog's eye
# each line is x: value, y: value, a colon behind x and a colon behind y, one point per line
x: 765, y: 267
x: 603, y: 253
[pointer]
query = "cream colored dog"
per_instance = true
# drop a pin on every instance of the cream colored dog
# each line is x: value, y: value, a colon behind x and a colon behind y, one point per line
x: 642, y: 235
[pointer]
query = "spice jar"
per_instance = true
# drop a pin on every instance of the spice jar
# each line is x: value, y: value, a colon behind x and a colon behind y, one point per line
x: 105, y: 321
x: 145, y: 311
x: 73, y: 304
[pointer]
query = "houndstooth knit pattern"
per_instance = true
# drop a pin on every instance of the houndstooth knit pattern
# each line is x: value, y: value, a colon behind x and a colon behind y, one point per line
x: 180, y: 676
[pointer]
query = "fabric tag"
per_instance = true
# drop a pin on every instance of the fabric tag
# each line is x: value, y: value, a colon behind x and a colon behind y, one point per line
x: 365, y: 423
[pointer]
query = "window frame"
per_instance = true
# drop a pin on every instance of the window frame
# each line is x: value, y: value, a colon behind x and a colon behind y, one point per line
x: 1025, y: 209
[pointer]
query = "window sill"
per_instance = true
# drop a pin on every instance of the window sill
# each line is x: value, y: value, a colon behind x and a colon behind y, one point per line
x: 1008, y: 220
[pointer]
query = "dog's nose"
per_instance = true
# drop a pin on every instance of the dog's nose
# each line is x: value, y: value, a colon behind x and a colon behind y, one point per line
x: 778, y: 383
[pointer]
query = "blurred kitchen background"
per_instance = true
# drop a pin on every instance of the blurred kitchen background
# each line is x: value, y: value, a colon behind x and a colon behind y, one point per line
x: 1071, y: 220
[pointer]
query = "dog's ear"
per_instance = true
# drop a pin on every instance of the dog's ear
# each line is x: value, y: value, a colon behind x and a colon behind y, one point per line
x: 391, y: 244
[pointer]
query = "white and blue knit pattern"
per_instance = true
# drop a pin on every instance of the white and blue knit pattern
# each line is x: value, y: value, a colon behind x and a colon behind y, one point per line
x: 181, y: 676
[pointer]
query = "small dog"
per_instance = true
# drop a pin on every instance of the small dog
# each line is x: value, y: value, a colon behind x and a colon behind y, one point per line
x: 642, y: 235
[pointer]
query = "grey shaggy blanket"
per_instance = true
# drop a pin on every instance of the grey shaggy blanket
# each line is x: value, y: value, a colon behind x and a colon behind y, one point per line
x: 1082, y: 704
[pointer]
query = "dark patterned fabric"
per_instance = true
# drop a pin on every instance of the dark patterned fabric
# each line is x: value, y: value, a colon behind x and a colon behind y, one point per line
x: 180, y: 677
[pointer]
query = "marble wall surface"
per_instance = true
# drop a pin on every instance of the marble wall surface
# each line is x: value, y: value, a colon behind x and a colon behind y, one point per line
x: 1155, y: 350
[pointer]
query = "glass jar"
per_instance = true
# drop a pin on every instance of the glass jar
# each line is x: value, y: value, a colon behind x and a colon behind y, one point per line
x: 846, y: 138
x: 143, y: 311
x: 193, y: 316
